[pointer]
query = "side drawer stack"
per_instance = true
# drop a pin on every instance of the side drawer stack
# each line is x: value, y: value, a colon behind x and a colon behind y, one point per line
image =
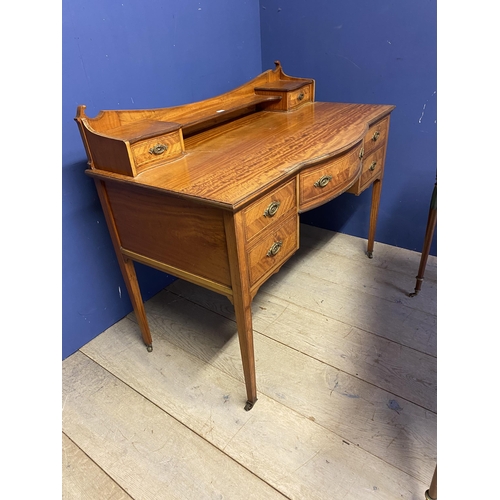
x: 271, y: 232
x: 374, y: 148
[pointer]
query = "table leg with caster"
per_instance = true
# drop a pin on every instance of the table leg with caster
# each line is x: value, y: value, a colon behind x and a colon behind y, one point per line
x: 127, y: 268
x: 429, y: 233
x: 431, y: 493
x: 376, y: 191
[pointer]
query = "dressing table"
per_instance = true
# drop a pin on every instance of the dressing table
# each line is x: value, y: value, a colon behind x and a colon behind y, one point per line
x: 211, y: 192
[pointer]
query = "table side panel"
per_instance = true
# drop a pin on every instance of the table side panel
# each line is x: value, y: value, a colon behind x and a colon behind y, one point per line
x: 170, y: 230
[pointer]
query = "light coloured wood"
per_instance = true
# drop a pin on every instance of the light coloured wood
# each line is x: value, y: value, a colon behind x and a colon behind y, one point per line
x: 386, y: 277
x: 391, y: 366
x: 149, y: 453
x: 393, y: 321
x: 397, y: 262
x: 375, y: 417
x: 309, y: 436
x: 83, y: 479
x: 290, y: 451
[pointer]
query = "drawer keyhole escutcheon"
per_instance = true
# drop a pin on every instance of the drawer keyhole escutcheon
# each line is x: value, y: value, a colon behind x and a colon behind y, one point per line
x: 275, y: 248
x: 372, y: 166
x: 158, y: 149
x: 361, y: 153
x: 300, y: 96
x: 271, y: 210
x: 375, y: 136
x: 323, y: 181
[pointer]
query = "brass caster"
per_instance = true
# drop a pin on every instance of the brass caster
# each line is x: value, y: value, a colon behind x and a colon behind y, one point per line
x: 428, y: 497
x: 370, y: 255
x: 413, y: 294
x: 149, y: 348
x: 249, y: 406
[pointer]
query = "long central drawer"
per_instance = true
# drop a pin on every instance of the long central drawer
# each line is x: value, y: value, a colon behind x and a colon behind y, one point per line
x: 321, y: 183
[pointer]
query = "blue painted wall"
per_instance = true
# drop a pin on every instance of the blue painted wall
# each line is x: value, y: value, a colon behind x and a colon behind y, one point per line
x: 155, y: 53
x: 133, y: 54
x: 369, y: 51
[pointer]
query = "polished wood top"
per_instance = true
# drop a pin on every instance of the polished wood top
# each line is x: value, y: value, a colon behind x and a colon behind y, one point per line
x: 232, y: 164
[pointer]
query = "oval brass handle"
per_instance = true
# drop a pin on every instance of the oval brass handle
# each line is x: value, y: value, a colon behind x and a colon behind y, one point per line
x: 274, y: 249
x: 323, y: 181
x: 300, y: 96
x: 372, y: 166
x: 375, y: 136
x: 271, y: 210
x: 158, y: 149
x: 361, y: 153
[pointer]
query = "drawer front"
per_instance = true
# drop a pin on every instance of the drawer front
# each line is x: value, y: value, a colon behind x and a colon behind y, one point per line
x: 273, y: 248
x: 323, y: 182
x: 373, y: 165
x: 300, y: 96
x: 270, y: 209
x: 377, y: 135
x: 290, y: 99
x: 149, y: 152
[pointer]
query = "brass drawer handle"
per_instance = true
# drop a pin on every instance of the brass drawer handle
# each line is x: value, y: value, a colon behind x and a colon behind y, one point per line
x: 158, y: 149
x: 376, y: 135
x: 271, y: 210
x: 274, y: 249
x: 300, y: 96
x: 372, y: 166
x: 361, y: 153
x: 323, y: 181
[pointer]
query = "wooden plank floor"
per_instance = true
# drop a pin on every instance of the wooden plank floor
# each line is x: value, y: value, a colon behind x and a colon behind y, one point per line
x: 346, y: 374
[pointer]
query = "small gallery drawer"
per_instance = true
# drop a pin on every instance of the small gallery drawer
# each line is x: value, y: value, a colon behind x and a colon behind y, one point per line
x: 270, y: 209
x: 298, y: 97
x: 293, y: 94
x: 148, y: 152
x: 376, y: 135
x: 273, y: 248
x: 323, y: 182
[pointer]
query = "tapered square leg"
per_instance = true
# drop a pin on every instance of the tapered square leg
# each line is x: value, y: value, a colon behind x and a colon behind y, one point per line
x: 376, y: 192
x: 127, y: 268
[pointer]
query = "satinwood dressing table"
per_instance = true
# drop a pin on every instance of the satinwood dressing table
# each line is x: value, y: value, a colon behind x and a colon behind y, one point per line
x: 211, y: 191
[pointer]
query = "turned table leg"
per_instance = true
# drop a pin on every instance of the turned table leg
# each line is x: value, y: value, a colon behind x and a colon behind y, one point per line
x: 376, y: 191
x: 429, y: 233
